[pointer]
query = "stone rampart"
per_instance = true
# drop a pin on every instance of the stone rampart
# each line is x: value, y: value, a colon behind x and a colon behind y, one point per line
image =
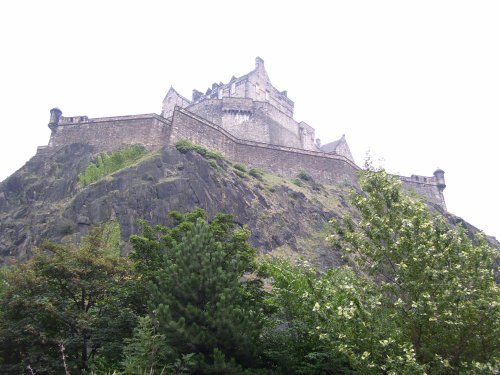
x: 154, y: 131
x: 286, y: 161
x: 426, y: 187
x: 110, y: 133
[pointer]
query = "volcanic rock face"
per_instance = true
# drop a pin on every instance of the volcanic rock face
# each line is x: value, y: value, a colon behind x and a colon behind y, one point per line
x: 43, y: 200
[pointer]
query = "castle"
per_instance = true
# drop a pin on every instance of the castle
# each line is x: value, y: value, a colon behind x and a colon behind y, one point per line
x: 247, y: 119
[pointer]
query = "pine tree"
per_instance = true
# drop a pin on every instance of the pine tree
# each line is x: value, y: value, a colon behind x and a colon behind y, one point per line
x: 202, y: 299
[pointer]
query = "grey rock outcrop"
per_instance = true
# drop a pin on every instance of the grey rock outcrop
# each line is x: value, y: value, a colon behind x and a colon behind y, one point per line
x: 43, y: 200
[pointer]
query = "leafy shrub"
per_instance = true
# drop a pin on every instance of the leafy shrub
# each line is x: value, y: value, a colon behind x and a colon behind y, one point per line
x: 213, y: 163
x: 304, y: 176
x: 106, y: 164
x: 256, y: 173
x: 239, y: 167
x: 240, y: 173
x: 185, y: 145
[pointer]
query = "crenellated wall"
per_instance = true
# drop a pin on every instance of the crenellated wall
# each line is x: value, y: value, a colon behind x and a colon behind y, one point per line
x: 254, y: 85
x: 429, y: 188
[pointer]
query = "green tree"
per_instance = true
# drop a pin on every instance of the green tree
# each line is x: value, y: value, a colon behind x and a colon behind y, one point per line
x: 331, y: 323
x: 204, y: 298
x: 438, y: 284
x: 146, y: 350
x: 70, y: 296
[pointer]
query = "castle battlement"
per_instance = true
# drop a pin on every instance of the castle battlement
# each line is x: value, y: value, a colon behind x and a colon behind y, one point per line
x: 248, y: 120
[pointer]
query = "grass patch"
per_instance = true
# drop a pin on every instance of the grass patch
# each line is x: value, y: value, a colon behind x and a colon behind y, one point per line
x: 213, y: 163
x: 256, y: 173
x: 308, y: 179
x: 185, y: 145
x: 239, y: 167
x: 106, y: 164
x: 240, y: 173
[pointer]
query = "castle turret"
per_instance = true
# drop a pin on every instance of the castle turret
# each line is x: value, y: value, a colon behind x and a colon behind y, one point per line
x: 55, y: 115
x: 439, y: 175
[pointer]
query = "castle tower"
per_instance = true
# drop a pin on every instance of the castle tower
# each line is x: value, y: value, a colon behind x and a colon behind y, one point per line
x: 173, y: 99
x: 439, y: 175
x: 55, y: 115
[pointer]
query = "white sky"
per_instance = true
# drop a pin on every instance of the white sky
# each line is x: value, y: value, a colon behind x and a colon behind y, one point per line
x: 416, y: 83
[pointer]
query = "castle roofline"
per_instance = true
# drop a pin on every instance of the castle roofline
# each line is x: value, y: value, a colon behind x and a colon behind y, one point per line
x: 171, y: 90
x: 332, y: 146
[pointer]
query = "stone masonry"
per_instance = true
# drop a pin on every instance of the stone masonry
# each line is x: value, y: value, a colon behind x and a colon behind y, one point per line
x: 248, y: 120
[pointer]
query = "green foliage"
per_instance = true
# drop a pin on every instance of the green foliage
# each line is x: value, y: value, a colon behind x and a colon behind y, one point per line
x: 200, y: 292
x: 256, y: 173
x: 146, y: 351
x: 414, y: 297
x: 304, y: 176
x: 185, y: 145
x: 106, y: 164
x: 69, y: 295
x: 240, y: 170
x: 240, y: 173
x: 150, y: 247
x: 239, y: 167
x: 437, y: 284
x: 331, y: 323
x: 213, y: 163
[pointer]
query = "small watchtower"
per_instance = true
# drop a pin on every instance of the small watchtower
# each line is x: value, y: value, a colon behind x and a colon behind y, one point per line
x: 439, y: 175
x: 55, y: 115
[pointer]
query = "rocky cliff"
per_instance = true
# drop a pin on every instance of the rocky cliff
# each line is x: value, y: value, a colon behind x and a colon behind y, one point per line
x: 44, y: 200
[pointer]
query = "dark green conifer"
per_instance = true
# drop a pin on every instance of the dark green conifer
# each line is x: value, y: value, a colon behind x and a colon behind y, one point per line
x: 204, y: 301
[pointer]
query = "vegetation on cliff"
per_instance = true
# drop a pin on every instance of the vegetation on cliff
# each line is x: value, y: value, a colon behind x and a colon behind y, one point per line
x: 185, y: 145
x: 106, y: 164
x: 414, y: 296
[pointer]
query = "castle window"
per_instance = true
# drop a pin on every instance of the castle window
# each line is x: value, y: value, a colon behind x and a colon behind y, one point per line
x: 242, y: 117
x: 256, y: 88
x: 233, y: 88
x: 220, y: 93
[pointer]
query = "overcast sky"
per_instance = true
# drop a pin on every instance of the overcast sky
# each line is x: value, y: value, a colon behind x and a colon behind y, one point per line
x: 416, y: 83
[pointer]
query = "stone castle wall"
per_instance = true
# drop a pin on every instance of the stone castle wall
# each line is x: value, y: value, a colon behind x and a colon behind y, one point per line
x: 256, y: 121
x: 426, y: 187
x: 109, y: 133
x: 154, y: 132
x: 286, y: 161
